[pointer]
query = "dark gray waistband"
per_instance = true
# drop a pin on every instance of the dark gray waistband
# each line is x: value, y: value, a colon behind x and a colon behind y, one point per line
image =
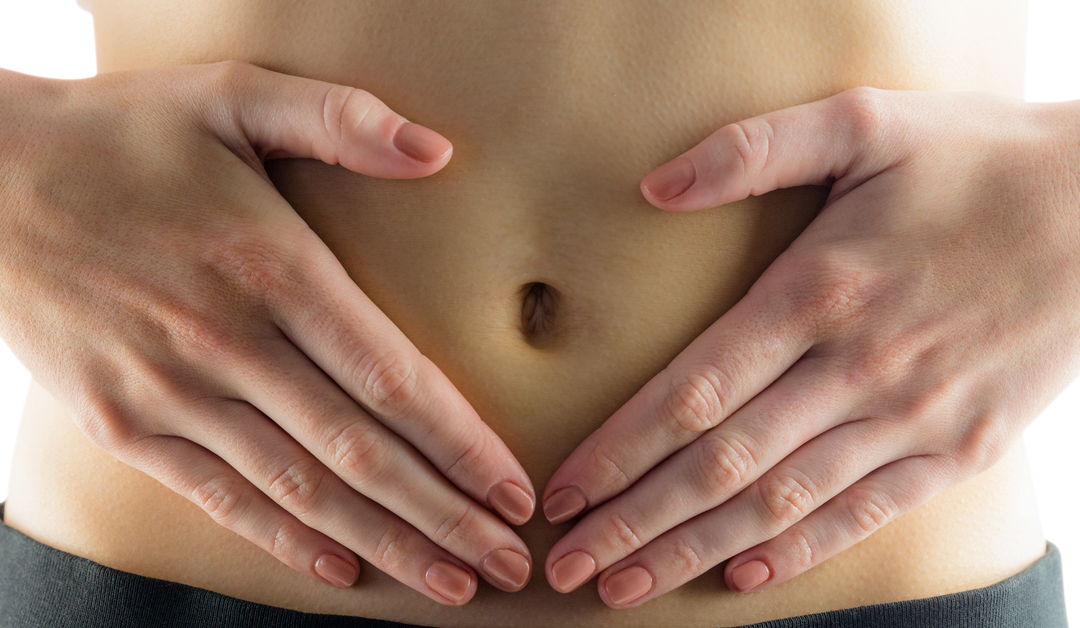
x: 43, y: 587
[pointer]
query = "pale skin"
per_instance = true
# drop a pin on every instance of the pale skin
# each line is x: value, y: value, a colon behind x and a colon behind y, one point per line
x: 844, y: 314
x: 938, y: 281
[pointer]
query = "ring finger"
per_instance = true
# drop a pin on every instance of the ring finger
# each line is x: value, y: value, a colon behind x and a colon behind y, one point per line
x: 354, y: 456
x: 239, y: 501
x: 702, y: 475
x: 814, y: 474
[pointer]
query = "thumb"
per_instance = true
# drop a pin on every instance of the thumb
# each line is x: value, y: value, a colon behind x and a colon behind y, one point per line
x: 840, y: 138
x: 283, y: 116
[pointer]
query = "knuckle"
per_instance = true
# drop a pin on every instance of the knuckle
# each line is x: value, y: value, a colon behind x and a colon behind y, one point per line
x: 256, y: 264
x: 229, y: 69
x: 389, y: 384
x: 220, y: 497
x: 616, y: 477
x: 227, y: 79
x: 359, y: 453
x: 827, y: 290
x: 863, y: 108
x: 804, y: 552
x: 286, y: 542
x: 626, y: 534
x: 347, y: 107
x: 106, y: 425
x: 456, y: 528
x: 786, y: 498
x: 870, y: 508
x: 202, y: 332
x: 985, y: 442
x: 335, y: 103
x: 752, y: 140
x: 695, y: 402
x: 473, y: 452
x: 727, y: 464
x: 392, y: 552
x: 297, y: 487
x: 687, y: 559
x: 885, y: 366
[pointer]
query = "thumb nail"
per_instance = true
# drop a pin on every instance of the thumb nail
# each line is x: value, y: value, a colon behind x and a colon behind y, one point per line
x: 421, y: 143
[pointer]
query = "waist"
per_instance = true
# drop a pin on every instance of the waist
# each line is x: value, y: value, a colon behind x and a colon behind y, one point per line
x: 531, y: 271
x: 70, y: 495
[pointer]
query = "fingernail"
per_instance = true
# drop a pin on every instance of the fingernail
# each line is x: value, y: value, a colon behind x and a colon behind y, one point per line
x: 749, y: 575
x: 565, y: 503
x: 512, y: 502
x: 628, y: 585
x: 421, y: 143
x: 448, y: 581
x: 336, y: 571
x: 572, y: 569
x: 671, y: 179
x: 508, y: 567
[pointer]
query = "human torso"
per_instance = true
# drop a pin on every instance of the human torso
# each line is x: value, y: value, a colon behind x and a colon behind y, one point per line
x: 556, y: 111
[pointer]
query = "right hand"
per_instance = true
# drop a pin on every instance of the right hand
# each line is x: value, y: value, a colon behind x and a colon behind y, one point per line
x: 154, y: 281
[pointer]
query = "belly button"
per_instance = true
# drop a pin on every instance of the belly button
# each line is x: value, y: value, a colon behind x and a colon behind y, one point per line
x: 538, y: 313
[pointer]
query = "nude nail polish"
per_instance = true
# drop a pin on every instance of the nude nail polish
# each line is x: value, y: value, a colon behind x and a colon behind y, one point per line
x: 628, y: 585
x: 564, y: 504
x: 336, y: 571
x: 571, y: 570
x: 750, y: 575
x: 421, y: 143
x: 448, y: 581
x: 671, y: 179
x: 511, y: 501
x: 508, y: 568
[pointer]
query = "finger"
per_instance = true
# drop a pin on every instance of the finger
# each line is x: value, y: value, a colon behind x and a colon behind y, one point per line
x: 350, y: 447
x: 811, y: 476
x: 330, y: 320
x: 237, y: 505
x: 732, y: 361
x: 234, y: 503
x: 288, y: 116
x: 706, y: 473
x: 838, y: 138
x: 855, y: 514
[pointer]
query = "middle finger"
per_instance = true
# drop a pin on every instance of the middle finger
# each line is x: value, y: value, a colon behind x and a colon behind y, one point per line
x: 704, y: 474
x: 375, y: 461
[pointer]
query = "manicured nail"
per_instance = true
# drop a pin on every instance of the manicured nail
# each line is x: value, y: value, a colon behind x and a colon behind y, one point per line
x: 628, y: 585
x: 336, y: 571
x: 448, y: 581
x: 571, y: 570
x: 421, y: 143
x: 565, y: 503
x: 508, y: 567
x: 749, y: 575
x: 671, y: 179
x: 512, y: 502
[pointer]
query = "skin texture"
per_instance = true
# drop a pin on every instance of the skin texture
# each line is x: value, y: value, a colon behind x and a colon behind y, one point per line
x: 555, y: 118
x: 175, y: 356
x: 880, y: 340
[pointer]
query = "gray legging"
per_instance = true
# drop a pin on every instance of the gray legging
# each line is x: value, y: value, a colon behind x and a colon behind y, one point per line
x: 43, y: 587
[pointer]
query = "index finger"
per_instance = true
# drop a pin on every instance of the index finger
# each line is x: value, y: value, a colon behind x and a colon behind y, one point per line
x: 351, y: 340
x: 838, y: 138
x: 732, y: 361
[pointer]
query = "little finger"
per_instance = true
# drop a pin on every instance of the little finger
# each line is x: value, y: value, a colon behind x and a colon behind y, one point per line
x: 785, y: 494
x: 846, y: 519
x: 705, y: 473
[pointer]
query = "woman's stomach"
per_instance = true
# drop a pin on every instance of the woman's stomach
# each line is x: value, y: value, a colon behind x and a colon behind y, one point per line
x: 531, y: 270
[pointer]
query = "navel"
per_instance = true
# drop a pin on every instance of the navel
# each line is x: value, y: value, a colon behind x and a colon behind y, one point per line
x: 538, y: 305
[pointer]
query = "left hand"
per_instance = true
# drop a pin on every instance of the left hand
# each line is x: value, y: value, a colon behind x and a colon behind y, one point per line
x: 898, y: 347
